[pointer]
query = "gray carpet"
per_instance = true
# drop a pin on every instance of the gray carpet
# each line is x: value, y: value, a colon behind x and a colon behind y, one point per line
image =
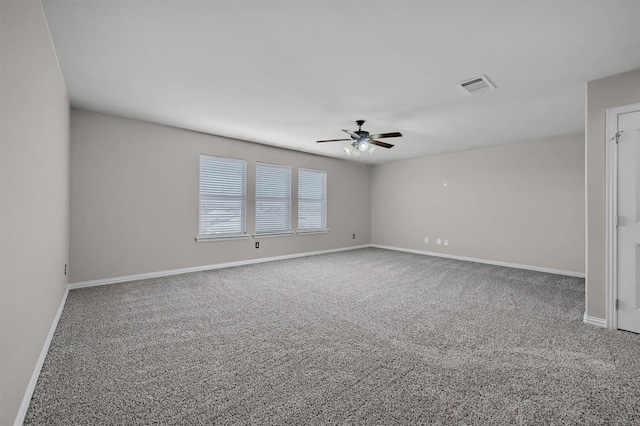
x: 361, y: 337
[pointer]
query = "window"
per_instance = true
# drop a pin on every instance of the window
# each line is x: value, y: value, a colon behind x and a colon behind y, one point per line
x: 223, y: 198
x: 273, y: 199
x: 312, y: 200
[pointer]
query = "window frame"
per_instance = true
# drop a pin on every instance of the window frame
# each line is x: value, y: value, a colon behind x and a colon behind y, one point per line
x: 241, y: 183
x: 260, y: 197
x: 321, y: 201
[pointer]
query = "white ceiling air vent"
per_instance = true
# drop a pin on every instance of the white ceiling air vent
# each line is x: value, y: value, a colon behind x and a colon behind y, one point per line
x: 477, y: 85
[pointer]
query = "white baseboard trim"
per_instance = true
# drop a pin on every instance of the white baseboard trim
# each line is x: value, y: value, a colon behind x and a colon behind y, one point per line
x: 489, y: 262
x: 26, y: 400
x: 158, y: 274
x: 598, y: 322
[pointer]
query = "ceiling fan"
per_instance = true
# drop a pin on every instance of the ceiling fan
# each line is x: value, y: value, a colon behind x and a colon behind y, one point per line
x: 362, y: 141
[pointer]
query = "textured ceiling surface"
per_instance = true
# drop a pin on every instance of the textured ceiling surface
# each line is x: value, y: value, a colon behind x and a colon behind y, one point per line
x: 288, y: 73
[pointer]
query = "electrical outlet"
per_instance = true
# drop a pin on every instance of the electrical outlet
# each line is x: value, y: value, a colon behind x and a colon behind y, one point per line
x: 446, y: 242
x: 426, y: 239
x: 65, y: 269
x: 354, y: 236
x: 257, y: 244
x: 439, y: 241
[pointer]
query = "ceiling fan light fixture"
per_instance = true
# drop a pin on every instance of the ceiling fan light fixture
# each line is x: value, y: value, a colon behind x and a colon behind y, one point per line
x: 362, y: 141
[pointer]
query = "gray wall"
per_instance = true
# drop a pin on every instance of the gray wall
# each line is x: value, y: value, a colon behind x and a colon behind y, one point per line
x: 521, y: 204
x: 34, y: 200
x: 609, y: 92
x: 134, y: 199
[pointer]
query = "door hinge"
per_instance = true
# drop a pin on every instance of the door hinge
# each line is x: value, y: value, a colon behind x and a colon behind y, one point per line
x: 616, y: 220
x: 618, y: 134
x: 617, y: 304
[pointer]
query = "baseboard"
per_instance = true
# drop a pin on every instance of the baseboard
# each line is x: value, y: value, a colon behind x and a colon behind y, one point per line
x: 170, y: 272
x: 598, y: 322
x: 26, y: 400
x: 489, y: 262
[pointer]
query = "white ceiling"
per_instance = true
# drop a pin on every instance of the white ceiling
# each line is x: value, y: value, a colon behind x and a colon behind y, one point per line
x: 288, y: 73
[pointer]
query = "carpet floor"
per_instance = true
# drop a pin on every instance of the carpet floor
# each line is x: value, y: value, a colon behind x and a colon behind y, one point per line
x: 366, y: 336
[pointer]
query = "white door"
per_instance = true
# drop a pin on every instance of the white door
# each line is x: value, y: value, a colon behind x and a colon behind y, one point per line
x: 629, y: 222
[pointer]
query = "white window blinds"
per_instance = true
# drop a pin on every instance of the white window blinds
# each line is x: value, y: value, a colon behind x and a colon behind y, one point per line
x: 223, y: 196
x: 273, y: 199
x: 312, y: 200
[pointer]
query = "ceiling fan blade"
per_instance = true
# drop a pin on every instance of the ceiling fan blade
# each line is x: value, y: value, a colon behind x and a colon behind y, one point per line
x: 353, y: 134
x: 386, y: 135
x: 382, y: 144
x: 333, y: 140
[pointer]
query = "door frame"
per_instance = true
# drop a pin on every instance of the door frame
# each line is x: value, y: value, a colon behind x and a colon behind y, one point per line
x: 611, y: 262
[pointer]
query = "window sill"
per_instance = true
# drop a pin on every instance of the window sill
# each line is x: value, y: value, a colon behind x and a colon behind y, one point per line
x: 273, y: 234
x: 207, y: 238
x: 313, y: 231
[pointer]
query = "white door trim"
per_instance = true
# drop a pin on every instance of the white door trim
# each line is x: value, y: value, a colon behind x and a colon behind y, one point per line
x: 612, y: 212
